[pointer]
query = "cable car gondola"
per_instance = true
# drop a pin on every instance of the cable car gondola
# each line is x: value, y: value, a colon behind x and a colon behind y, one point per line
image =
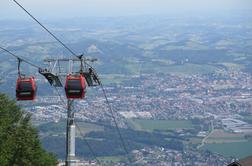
x: 26, y: 88
x: 75, y: 86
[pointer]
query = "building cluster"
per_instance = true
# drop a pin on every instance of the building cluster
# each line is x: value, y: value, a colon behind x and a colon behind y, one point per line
x: 159, y: 156
x: 159, y: 96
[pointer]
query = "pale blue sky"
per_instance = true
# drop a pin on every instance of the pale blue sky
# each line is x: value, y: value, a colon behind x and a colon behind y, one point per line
x: 74, y: 8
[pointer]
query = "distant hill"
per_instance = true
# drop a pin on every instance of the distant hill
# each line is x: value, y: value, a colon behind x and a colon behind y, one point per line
x: 182, y: 45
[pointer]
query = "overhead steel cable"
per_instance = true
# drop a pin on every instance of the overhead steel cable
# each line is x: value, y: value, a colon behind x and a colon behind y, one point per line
x: 74, y: 54
x: 61, y: 98
x: 78, y: 128
x: 55, y: 37
x: 89, y: 146
x: 20, y: 58
x: 112, y: 114
x: 114, y: 119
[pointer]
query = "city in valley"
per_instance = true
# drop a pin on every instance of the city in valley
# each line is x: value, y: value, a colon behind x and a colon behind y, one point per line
x: 202, y: 110
x: 180, y: 87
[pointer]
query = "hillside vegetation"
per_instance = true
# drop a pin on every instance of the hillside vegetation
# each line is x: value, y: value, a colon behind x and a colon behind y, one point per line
x: 19, y: 141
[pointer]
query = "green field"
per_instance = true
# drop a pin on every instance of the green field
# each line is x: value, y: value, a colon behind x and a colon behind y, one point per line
x: 60, y: 127
x: 184, y: 69
x: 114, y: 78
x: 112, y: 159
x: 88, y: 127
x: 226, y: 138
x: 248, y: 117
x: 236, y: 149
x: 150, y: 125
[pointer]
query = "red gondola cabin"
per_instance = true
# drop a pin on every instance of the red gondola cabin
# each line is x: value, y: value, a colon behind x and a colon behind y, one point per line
x: 26, y: 88
x: 75, y: 87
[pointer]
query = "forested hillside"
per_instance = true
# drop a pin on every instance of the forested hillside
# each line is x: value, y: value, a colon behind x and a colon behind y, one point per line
x: 19, y: 141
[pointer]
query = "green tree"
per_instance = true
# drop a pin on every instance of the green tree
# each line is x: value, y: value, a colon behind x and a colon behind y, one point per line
x: 19, y: 141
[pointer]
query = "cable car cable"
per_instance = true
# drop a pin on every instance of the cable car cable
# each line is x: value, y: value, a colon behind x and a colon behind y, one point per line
x: 104, y: 93
x: 74, y: 54
x: 61, y: 98
x: 78, y: 128
x: 71, y: 51
x: 112, y: 114
x: 115, y: 121
x: 18, y: 57
x: 55, y: 37
x: 85, y: 140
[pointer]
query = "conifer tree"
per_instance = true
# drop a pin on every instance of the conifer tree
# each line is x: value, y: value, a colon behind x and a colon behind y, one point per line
x: 19, y: 141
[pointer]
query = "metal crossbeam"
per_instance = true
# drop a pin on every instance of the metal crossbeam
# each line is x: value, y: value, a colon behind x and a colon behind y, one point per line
x: 72, y: 59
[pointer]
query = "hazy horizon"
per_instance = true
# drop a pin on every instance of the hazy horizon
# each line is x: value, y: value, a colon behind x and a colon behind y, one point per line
x: 80, y: 8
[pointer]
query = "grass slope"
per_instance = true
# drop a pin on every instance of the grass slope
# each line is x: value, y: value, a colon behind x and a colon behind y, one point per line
x: 150, y: 125
x: 236, y: 149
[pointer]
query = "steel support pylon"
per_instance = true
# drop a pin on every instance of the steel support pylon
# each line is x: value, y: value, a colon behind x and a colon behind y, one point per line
x: 70, y: 136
